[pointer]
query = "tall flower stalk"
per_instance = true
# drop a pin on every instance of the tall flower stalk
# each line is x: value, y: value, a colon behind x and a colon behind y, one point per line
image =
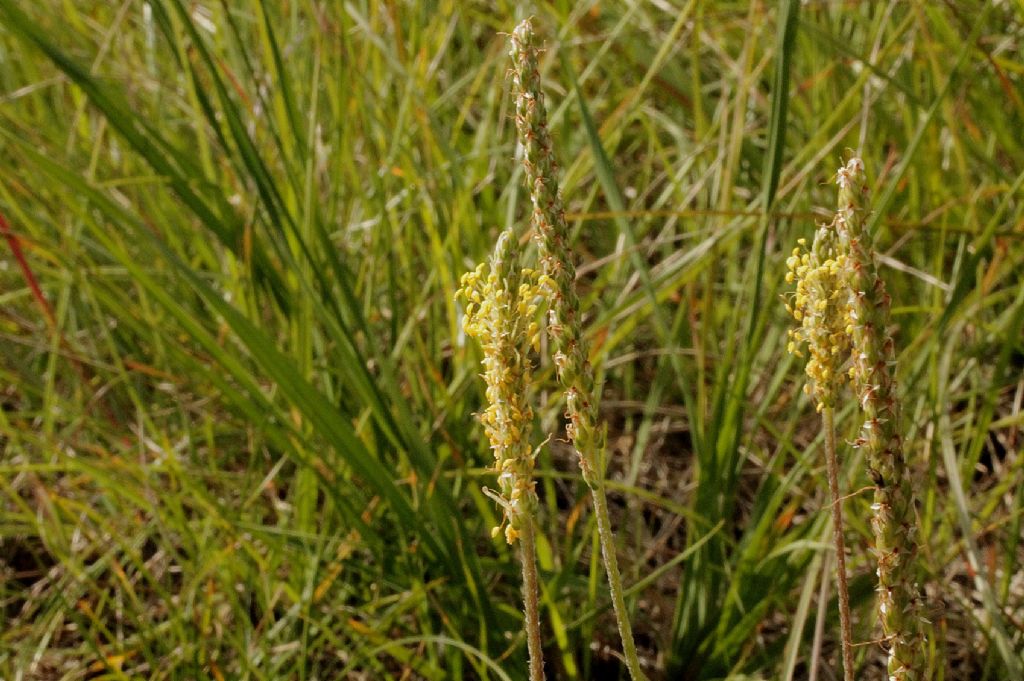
x: 874, y: 358
x: 820, y: 308
x: 501, y: 306
x: 558, y: 281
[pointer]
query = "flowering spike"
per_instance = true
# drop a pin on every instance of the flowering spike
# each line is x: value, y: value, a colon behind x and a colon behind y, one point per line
x: 571, y: 349
x: 893, y: 522
x: 503, y: 321
x: 819, y: 308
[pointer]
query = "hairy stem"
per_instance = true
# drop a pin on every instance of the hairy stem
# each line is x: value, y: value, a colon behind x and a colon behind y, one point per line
x: 828, y: 419
x: 611, y: 566
x: 531, y: 609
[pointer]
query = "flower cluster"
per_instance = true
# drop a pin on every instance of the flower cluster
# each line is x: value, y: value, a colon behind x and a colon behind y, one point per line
x: 501, y: 310
x: 820, y: 307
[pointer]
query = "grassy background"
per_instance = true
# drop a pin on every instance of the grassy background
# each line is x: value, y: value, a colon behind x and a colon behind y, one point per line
x: 236, y: 435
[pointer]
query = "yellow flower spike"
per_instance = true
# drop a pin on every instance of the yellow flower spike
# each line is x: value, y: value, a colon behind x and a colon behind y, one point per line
x: 500, y: 316
x: 818, y: 308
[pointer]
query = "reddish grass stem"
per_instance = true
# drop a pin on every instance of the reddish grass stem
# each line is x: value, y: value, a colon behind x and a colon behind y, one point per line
x: 26, y: 271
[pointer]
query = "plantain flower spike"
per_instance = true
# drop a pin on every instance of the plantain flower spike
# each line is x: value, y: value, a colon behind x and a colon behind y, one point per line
x: 501, y: 306
x: 820, y: 307
x: 558, y: 281
x: 893, y: 522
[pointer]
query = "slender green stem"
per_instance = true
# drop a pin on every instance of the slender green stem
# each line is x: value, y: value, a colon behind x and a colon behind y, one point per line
x: 611, y: 566
x: 528, y: 557
x: 828, y: 419
x: 819, y: 620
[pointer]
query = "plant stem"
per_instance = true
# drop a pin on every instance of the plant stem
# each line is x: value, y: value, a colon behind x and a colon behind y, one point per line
x: 528, y: 557
x: 611, y: 566
x: 828, y: 418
